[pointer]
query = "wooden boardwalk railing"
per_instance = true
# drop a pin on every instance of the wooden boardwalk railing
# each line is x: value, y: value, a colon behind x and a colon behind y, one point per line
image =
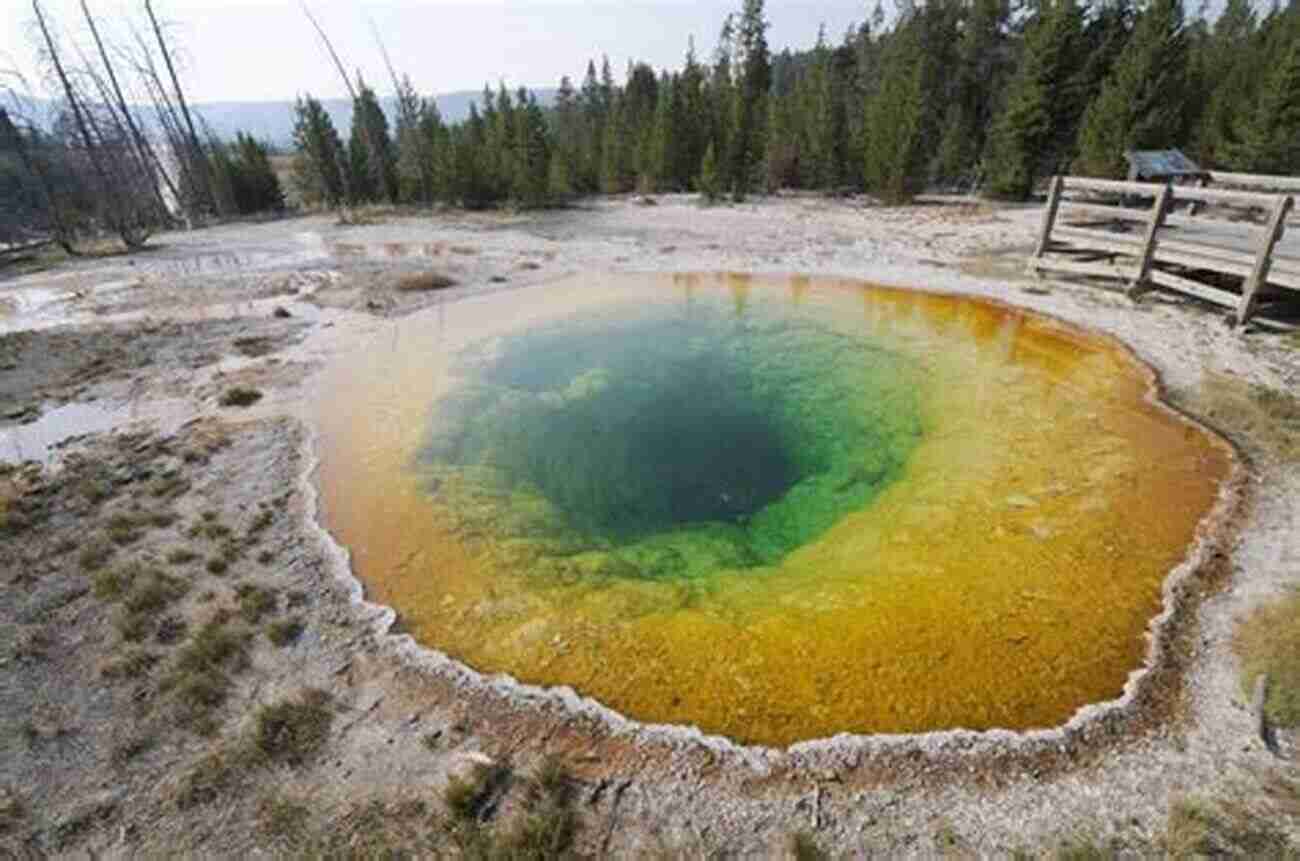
x: 1224, y: 247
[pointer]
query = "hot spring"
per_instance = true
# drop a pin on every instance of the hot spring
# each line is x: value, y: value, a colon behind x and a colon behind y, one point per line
x: 775, y: 509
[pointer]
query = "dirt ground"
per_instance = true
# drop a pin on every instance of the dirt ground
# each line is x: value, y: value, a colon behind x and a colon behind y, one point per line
x: 187, y: 666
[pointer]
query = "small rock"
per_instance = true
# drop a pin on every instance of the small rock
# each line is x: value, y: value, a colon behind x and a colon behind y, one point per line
x: 464, y: 765
x: 281, y: 313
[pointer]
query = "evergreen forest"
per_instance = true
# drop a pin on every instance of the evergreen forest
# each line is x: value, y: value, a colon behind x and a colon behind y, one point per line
x: 956, y: 95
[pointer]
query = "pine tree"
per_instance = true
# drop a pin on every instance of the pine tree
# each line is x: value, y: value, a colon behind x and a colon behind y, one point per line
x: 418, y: 130
x: 721, y: 97
x: 749, y: 143
x: 318, y: 155
x: 1271, y: 139
x: 1021, y: 146
x: 1229, y: 67
x: 500, y: 151
x: 613, y: 152
x: 567, y: 135
x: 472, y: 183
x: 894, y: 159
x: 980, y: 76
x: 662, y: 158
x: 785, y: 128
x: 709, y: 182
x: 253, y: 183
x: 559, y: 185
x: 372, y: 163
x: 691, y: 129
x: 532, y: 157
x: 1140, y: 105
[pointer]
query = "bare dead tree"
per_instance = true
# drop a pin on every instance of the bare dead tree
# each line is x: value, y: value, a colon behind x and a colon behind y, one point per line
x: 12, y: 138
x: 128, y: 169
x: 383, y: 52
x: 200, y: 170
x: 169, y: 122
x: 120, y: 212
x: 329, y: 46
x: 347, y: 82
x: 409, y: 108
x: 148, y: 160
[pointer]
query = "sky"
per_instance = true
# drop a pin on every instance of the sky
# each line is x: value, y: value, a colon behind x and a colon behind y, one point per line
x: 265, y: 50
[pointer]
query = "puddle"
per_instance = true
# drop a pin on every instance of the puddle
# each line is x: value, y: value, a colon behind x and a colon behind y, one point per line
x: 776, y: 509
x: 40, y: 440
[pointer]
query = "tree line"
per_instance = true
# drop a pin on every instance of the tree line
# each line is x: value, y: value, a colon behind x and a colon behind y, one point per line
x: 125, y: 155
x: 980, y: 95
x: 985, y: 95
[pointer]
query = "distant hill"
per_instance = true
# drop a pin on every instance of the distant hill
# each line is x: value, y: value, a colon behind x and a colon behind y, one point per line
x: 273, y: 121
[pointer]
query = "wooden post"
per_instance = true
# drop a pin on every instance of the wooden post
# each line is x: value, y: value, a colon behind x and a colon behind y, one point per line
x: 1049, y: 219
x: 1263, y: 259
x: 1158, y: 211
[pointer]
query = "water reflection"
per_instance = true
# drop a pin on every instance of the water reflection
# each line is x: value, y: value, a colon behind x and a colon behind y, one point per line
x: 39, y: 440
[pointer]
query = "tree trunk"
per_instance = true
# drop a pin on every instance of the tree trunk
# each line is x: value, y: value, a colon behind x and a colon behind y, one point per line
x: 120, y: 224
x: 196, y: 148
x: 148, y: 160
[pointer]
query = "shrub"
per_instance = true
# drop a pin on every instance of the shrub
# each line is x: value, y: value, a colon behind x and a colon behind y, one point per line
x: 292, y: 731
x: 422, y: 281
x: 239, y: 396
x: 1268, y: 641
x: 285, y: 632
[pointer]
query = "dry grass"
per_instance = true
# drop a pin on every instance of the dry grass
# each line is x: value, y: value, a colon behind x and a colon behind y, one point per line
x: 255, y: 347
x: 95, y: 554
x: 282, y: 819
x: 12, y: 810
x: 422, y: 281
x: 1268, y: 641
x: 181, y: 556
x: 200, y: 682
x: 285, y: 632
x: 111, y: 585
x: 153, y: 592
x: 210, y: 778
x: 803, y: 846
x: 239, y: 396
x: 293, y: 731
x: 143, y: 593
x: 1199, y: 829
x: 123, y: 529
x: 545, y: 827
x: 1267, y: 416
x: 170, y: 486
x: 135, y: 664
x: 256, y: 602
x: 467, y: 797
x: 365, y: 215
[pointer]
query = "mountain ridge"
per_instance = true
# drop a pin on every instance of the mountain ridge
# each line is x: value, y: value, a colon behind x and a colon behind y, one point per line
x: 272, y: 121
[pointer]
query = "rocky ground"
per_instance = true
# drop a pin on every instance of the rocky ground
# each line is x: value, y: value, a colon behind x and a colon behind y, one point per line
x: 186, y: 665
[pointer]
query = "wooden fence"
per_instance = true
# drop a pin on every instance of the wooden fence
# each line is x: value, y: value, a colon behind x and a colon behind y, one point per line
x: 1222, y: 246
